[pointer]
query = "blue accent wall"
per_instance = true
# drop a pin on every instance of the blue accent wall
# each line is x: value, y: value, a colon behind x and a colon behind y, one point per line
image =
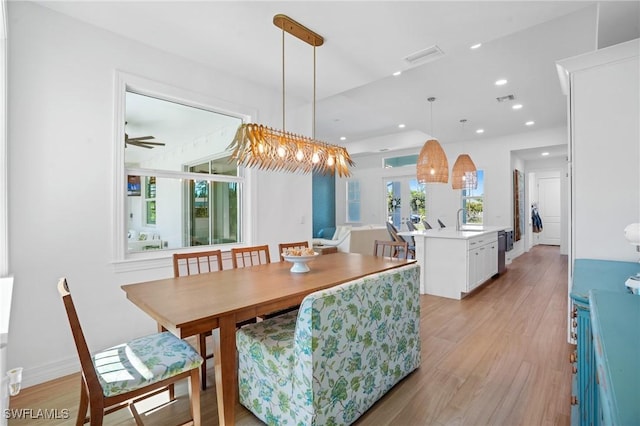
x: 324, y: 202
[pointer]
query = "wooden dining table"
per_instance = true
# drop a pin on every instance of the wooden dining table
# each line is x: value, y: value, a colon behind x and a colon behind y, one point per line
x: 216, y: 301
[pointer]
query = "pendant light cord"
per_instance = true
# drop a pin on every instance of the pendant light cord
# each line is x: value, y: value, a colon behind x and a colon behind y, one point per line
x: 431, y: 119
x: 431, y: 99
x: 283, y: 91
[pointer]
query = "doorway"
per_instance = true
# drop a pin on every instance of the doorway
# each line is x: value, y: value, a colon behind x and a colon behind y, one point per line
x: 549, y: 209
x: 405, y: 200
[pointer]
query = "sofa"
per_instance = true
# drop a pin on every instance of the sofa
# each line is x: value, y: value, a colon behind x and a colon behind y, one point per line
x: 140, y: 241
x: 355, y: 239
x: 363, y: 238
x: 341, y: 239
x: 332, y: 359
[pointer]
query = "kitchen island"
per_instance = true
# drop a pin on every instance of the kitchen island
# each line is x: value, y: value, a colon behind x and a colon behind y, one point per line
x: 454, y: 263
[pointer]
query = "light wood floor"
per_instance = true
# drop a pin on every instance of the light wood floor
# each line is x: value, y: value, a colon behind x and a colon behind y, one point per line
x: 498, y: 357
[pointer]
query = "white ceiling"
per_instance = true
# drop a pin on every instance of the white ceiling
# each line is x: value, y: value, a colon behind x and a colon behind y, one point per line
x: 365, y: 42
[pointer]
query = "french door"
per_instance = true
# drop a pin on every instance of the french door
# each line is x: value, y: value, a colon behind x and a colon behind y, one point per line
x: 405, y: 201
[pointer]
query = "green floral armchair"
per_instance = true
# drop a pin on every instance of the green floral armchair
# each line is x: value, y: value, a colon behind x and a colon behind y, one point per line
x: 331, y: 360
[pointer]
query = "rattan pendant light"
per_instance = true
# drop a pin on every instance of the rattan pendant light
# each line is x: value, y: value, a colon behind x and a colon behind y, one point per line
x: 432, y: 166
x: 463, y: 173
x: 255, y: 145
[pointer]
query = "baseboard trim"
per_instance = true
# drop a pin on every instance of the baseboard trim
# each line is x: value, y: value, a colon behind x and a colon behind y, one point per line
x: 51, y: 371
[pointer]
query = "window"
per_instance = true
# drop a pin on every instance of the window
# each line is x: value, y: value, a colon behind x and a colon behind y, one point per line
x: 213, y: 205
x: 182, y: 189
x: 405, y: 160
x: 353, y: 201
x: 473, y: 202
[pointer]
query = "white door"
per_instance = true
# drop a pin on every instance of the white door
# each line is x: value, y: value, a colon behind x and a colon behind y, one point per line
x: 404, y: 200
x: 549, y: 210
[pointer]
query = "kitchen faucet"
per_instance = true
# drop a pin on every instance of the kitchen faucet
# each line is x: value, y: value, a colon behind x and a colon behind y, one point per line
x: 458, y: 219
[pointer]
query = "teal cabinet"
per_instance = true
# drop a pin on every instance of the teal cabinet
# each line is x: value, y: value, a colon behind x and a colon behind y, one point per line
x: 591, y: 274
x: 615, y: 322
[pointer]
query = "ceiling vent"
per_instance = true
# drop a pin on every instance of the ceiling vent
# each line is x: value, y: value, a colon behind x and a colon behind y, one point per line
x: 425, y: 55
x: 505, y: 98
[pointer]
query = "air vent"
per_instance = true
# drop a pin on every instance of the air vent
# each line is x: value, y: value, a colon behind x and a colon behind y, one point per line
x: 425, y: 55
x: 505, y: 98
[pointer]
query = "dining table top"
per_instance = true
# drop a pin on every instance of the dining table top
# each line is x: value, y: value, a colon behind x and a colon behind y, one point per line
x: 177, y: 302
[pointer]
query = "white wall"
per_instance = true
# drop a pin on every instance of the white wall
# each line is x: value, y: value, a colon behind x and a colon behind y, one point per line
x: 61, y: 125
x: 492, y: 155
x: 605, y: 117
x: 6, y: 284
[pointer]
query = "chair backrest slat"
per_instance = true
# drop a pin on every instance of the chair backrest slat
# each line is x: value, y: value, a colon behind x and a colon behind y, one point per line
x: 197, y: 262
x: 249, y: 256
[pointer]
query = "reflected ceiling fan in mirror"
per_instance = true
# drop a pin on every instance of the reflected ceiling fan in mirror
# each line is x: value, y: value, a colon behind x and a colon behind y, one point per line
x: 141, y: 141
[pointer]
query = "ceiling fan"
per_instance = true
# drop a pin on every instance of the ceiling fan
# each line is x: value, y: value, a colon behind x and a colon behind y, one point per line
x: 142, y: 141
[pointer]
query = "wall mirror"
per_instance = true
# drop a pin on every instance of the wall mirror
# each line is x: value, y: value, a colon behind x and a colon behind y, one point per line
x: 182, y: 190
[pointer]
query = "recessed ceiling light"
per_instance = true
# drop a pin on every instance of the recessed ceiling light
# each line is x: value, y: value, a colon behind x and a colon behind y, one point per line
x: 397, y: 73
x: 517, y: 106
x: 480, y: 131
x: 402, y: 126
x: 501, y: 82
x: 529, y: 123
x: 544, y: 154
x: 343, y: 138
x: 475, y: 46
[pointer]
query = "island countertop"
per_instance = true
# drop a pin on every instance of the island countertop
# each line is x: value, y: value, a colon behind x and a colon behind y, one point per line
x: 454, y: 263
x: 465, y: 233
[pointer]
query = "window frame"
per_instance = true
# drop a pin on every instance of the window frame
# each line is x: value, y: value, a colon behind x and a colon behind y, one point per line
x: 127, y: 82
x: 464, y: 198
x: 351, y: 202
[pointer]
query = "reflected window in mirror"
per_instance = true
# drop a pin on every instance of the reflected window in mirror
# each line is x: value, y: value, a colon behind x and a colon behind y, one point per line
x: 182, y: 188
x: 473, y: 202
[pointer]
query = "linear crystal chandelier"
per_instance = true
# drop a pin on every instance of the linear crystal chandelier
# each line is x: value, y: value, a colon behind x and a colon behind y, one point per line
x: 256, y: 145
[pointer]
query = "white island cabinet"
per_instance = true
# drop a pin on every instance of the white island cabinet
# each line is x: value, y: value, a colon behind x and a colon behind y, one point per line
x: 453, y: 263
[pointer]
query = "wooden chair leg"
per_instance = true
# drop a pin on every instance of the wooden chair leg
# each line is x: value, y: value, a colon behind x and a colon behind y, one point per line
x: 84, y: 404
x: 194, y: 396
x: 203, y: 353
x: 97, y: 413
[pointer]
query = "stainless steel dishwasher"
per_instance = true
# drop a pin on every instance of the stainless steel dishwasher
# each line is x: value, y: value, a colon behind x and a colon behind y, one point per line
x: 502, y: 248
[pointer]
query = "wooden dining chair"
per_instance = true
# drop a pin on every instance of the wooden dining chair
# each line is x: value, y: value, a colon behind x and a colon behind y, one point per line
x: 249, y: 256
x: 192, y: 264
x: 113, y: 378
x: 282, y: 246
x: 256, y: 255
x: 391, y: 249
x: 196, y: 262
